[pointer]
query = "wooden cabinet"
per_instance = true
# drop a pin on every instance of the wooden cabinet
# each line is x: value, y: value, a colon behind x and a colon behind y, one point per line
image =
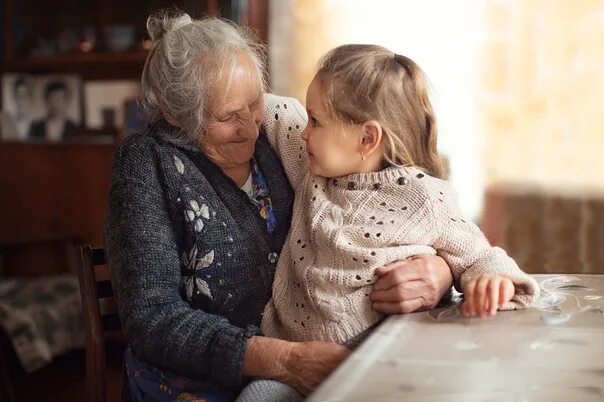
x: 99, y: 39
x: 53, y: 190
x: 60, y: 190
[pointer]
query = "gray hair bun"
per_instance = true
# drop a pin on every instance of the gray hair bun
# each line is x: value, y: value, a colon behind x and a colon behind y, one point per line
x: 161, y: 23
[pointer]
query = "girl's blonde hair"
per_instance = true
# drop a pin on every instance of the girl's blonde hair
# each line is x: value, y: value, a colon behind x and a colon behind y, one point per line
x: 369, y: 82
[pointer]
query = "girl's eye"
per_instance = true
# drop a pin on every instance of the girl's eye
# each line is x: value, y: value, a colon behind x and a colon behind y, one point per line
x: 314, y: 122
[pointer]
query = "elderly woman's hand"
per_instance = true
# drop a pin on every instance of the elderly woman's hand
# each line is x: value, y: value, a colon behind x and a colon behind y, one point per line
x: 302, y: 365
x: 418, y: 283
x: 309, y: 363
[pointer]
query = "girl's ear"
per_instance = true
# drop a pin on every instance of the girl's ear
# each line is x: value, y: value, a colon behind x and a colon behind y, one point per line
x: 371, y: 138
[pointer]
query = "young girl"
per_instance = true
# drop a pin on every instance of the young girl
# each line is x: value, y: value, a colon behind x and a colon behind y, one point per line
x: 369, y: 190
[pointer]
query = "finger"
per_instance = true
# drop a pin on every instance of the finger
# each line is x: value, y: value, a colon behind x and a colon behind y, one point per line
x: 469, y: 311
x: 493, y: 295
x: 343, y: 357
x: 315, y: 385
x: 480, y: 295
x: 404, y: 307
x: 464, y: 309
x: 399, y: 272
x: 468, y: 294
x: 506, y: 291
x: 381, y: 271
x: 392, y: 279
x: 313, y: 382
x: 405, y: 291
x: 302, y: 388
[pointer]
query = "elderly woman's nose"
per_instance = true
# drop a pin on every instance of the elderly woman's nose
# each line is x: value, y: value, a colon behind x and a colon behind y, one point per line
x: 250, y: 126
x: 258, y: 117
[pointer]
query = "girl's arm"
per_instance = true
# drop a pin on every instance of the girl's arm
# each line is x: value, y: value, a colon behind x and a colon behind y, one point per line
x: 469, y: 254
x: 284, y: 121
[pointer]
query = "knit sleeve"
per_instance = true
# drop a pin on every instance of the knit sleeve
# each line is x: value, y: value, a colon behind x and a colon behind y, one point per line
x: 284, y: 120
x: 467, y: 251
x: 142, y: 253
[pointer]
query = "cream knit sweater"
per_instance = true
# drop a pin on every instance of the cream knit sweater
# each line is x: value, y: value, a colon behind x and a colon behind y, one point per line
x: 343, y: 229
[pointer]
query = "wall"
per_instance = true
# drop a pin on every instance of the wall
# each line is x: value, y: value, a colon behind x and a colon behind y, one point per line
x: 517, y: 84
x: 543, y: 82
x: 53, y: 191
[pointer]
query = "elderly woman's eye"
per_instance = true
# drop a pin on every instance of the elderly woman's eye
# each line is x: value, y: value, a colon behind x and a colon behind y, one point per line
x: 228, y: 117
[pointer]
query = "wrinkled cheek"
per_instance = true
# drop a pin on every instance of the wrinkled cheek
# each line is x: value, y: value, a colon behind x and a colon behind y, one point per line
x: 243, y: 152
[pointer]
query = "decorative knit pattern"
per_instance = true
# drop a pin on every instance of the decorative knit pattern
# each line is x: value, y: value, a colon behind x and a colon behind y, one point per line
x: 345, y: 228
x: 191, y: 258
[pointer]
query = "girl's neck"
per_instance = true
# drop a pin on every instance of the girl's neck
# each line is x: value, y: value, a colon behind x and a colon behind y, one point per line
x: 373, y: 163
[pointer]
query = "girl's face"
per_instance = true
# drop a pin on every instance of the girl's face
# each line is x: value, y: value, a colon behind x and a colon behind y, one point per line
x: 332, y: 146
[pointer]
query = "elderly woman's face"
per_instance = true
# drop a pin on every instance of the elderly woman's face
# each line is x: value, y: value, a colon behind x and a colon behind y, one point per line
x: 236, y: 113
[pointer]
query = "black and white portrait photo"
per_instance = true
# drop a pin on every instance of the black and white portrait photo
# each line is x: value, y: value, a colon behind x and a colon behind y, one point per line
x: 40, y: 108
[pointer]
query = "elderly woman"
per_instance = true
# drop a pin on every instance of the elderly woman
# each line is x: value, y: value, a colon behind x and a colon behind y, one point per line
x: 199, y: 209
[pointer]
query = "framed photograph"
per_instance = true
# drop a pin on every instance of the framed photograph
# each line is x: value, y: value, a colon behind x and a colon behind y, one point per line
x: 40, y: 107
x: 105, y: 103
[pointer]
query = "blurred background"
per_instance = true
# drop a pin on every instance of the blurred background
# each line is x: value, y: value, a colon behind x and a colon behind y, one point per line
x: 517, y: 87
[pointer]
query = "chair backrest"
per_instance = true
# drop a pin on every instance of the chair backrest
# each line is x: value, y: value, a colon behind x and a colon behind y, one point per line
x: 101, y: 320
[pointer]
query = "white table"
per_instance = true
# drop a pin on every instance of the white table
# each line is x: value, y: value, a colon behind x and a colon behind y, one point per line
x: 553, y: 351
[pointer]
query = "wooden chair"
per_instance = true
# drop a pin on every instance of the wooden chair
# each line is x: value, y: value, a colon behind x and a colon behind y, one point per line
x: 7, y: 389
x: 101, y: 320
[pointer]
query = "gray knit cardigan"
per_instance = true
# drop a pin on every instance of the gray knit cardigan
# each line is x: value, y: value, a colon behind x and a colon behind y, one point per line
x: 191, y: 259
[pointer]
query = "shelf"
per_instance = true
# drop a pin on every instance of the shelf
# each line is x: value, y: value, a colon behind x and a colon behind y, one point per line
x: 89, y: 65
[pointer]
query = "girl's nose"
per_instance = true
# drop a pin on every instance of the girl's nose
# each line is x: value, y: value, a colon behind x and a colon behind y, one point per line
x: 305, y: 133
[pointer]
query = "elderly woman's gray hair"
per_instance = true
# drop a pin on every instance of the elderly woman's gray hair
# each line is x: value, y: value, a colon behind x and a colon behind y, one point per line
x: 188, y: 58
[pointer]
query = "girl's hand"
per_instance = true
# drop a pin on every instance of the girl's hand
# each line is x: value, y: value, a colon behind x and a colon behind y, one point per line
x: 485, y: 293
x: 309, y: 363
x: 418, y: 283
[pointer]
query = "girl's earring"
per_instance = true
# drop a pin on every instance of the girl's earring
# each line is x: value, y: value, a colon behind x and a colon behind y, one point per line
x: 363, y: 157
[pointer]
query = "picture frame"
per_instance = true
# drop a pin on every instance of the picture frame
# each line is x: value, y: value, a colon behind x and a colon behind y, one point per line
x: 105, y: 104
x: 40, y: 107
